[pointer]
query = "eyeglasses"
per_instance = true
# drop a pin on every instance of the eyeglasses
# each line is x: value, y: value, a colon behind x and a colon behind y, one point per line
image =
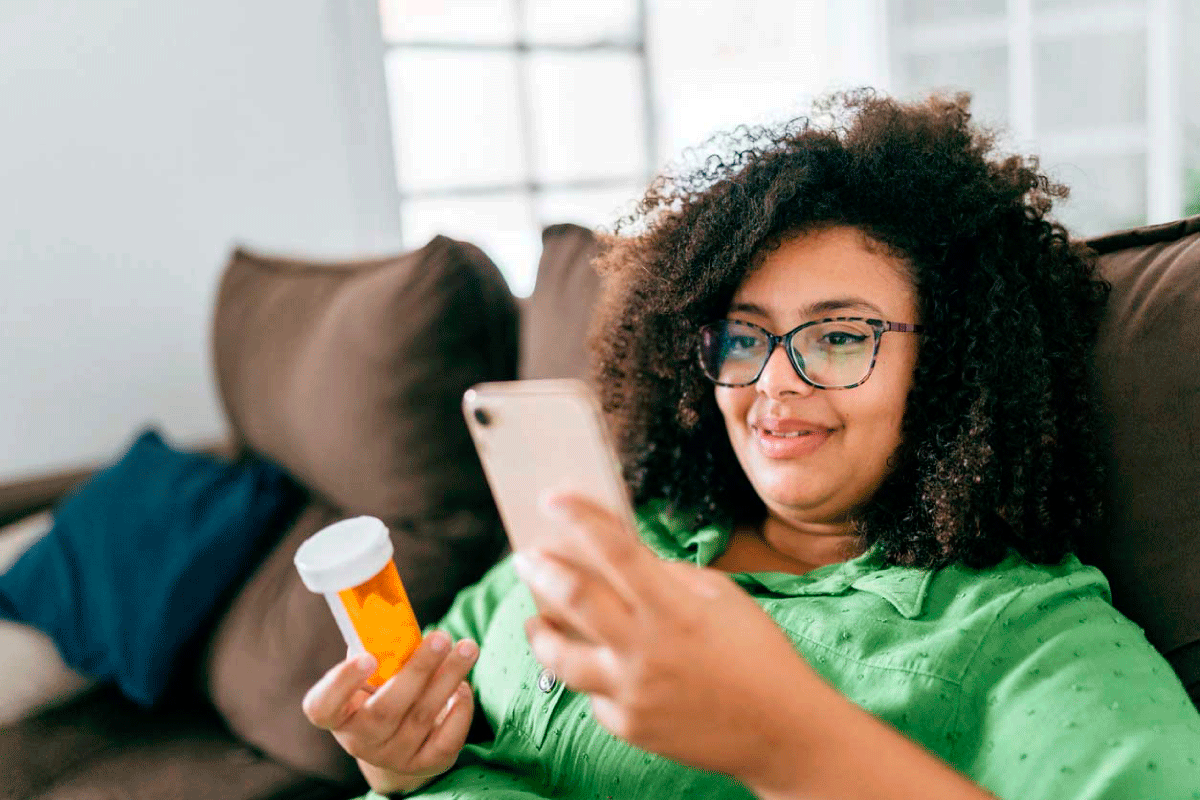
x: 833, y: 353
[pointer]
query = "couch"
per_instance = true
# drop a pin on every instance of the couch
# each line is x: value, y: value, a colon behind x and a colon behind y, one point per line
x: 347, y: 374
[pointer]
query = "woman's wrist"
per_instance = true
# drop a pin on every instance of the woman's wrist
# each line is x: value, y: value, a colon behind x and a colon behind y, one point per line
x: 789, y: 743
x: 388, y: 783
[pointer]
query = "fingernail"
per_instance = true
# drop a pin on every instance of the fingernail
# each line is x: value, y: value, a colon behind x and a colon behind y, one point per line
x: 439, y: 642
x: 529, y: 567
x: 467, y: 649
x: 366, y: 663
x: 551, y: 504
x: 446, y: 709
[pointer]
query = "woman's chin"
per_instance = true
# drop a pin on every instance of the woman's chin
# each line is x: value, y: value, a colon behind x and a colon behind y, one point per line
x: 780, y: 493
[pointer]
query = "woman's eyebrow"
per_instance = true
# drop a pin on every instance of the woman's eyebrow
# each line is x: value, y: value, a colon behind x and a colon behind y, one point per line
x: 839, y: 304
x: 815, y: 309
x: 749, y: 308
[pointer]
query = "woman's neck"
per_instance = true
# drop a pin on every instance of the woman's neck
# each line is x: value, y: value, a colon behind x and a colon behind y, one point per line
x: 774, y: 546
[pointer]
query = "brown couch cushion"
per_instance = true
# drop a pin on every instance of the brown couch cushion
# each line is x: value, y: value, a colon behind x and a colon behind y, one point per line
x: 555, y: 320
x: 350, y: 376
x: 340, y: 372
x: 103, y: 747
x: 1148, y: 360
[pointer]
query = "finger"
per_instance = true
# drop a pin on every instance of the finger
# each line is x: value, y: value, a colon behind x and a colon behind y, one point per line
x: 607, y: 543
x: 366, y: 687
x: 450, y: 732
x: 399, y: 741
x: 327, y: 704
x: 706, y: 583
x: 582, y: 666
x: 619, y: 554
x: 384, y: 710
x: 612, y: 717
x: 422, y: 716
x: 580, y: 603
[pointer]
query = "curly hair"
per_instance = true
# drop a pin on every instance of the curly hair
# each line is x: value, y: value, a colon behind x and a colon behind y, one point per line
x: 1000, y: 446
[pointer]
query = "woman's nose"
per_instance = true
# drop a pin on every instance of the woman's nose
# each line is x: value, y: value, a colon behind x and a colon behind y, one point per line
x: 780, y: 378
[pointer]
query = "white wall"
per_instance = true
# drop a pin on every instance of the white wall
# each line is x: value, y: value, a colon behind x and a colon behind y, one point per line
x: 138, y: 142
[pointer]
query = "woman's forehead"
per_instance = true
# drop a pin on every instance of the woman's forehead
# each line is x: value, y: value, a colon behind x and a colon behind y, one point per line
x: 832, y: 270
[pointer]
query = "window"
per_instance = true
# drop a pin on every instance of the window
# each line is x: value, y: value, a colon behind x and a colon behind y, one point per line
x: 1092, y: 86
x: 512, y: 114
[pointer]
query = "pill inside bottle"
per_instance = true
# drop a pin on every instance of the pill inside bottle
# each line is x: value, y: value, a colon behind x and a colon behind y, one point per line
x: 350, y: 563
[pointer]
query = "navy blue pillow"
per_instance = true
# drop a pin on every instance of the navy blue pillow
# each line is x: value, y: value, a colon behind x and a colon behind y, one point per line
x: 141, y: 554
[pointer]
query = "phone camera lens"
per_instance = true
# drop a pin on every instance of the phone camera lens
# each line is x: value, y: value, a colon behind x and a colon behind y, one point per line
x: 482, y: 417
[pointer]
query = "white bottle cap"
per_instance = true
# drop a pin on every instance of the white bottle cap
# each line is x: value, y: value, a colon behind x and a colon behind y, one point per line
x: 344, y: 554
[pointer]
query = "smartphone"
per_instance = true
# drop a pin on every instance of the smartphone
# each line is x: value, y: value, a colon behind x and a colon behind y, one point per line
x: 539, y: 435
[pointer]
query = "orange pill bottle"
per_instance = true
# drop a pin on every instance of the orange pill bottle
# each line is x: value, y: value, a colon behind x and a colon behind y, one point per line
x: 350, y: 563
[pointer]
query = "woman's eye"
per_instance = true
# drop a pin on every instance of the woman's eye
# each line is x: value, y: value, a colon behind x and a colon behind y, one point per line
x: 841, y: 339
x: 743, y: 343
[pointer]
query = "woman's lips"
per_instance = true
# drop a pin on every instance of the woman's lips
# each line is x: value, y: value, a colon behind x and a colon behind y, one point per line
x: 789, y: 446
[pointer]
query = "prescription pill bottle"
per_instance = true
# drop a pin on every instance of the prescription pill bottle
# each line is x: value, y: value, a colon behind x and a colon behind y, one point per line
x: 350, y: 562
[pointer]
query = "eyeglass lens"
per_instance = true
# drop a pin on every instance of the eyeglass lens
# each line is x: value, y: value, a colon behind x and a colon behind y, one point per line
x: 836, y: 353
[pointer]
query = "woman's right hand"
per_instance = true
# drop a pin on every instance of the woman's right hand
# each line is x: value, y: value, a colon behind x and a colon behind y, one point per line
x: 410, y: 729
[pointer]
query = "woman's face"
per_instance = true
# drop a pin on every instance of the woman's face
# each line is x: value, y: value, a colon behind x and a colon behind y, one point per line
x: 845, y: 437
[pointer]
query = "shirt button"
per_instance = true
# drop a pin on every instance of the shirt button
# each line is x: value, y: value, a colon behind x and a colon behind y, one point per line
x: 547, y: 680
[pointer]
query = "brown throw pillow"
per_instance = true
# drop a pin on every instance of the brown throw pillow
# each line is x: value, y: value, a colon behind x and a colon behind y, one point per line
x: 556, y: 319
x: 1149, y: 372
x: 350, y: 376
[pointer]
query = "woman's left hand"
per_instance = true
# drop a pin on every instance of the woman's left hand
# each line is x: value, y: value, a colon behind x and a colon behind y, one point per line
x: 678, y: 660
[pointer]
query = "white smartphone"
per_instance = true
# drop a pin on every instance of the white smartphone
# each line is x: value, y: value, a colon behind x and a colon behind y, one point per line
x: 539, y: 435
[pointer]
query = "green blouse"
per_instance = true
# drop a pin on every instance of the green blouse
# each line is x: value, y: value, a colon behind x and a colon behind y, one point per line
x: 1022, y: 677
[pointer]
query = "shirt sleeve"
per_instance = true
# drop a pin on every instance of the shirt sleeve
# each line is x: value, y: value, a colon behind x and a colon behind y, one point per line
x: 1070, y: 702
x: 471, y: 612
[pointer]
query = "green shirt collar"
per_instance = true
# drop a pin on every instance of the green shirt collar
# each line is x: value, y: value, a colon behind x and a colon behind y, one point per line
x: 674, y: 536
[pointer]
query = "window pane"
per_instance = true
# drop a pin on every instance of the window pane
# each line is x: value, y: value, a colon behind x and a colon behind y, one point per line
x: 1088, y: 81
x: 922, y: 11
x: 1085, y: 5
x: 1190, y: 111
x: 1107, y: 193
x: 479, y: 21
x: 580, y: 22
x: 714, y: 70
x: 501, y: 225
x: 1191, y: 184
x: 454, y: 118
x: 592, y: 208
x: 588, y: 115
x: 982, y: 72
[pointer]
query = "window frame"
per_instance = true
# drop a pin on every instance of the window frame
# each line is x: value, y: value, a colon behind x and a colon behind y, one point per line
x: 1158, y: 138
x: 531, y: 187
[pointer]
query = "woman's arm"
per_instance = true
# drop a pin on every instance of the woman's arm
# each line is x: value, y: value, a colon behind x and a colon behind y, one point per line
x: 855, y: 756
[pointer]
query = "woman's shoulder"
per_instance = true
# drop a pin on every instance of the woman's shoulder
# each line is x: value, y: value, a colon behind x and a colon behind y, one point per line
x: 1019, y: 608
x: 1065, y: 686
x: 1016, y: 584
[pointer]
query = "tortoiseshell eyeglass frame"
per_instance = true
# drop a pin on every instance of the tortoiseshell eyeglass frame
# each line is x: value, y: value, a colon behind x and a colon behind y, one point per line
x: 879, y: 326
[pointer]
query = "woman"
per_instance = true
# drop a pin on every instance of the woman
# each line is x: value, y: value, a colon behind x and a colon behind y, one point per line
x: 848, y: 371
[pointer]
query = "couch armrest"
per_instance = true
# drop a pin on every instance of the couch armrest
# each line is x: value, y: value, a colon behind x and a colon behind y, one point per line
x: 20, y: 498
